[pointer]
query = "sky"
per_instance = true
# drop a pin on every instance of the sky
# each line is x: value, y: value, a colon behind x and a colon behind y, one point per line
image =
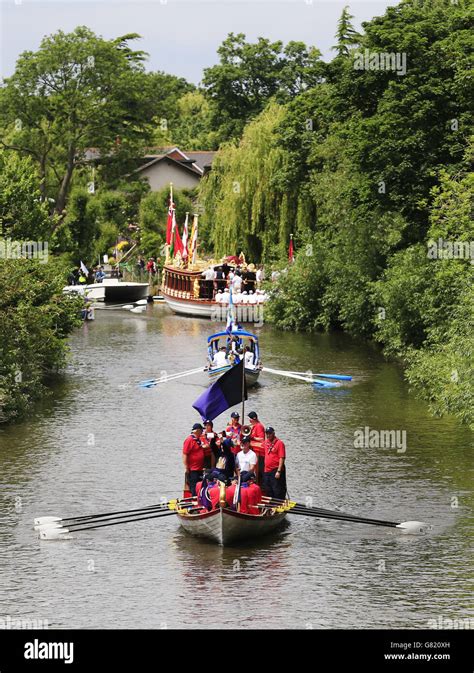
x: 181, y: 36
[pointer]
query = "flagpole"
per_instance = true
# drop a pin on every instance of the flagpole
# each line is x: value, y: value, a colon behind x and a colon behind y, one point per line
x: 195, y: 236
x: 243, y: 388
x: 168, y: 257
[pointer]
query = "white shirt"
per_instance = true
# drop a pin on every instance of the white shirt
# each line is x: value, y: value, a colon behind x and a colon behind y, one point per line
x: 249, y: 359
x: 210, y: 274
x: 236, y: 283
x: 245, y: 461
x: 220, y: 359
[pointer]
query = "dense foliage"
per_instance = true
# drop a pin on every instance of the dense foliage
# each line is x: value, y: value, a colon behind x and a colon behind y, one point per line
x: 367, y: 169
x: 35, y: 319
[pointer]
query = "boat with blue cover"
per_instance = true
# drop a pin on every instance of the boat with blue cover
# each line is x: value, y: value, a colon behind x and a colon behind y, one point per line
x: 238, y: 344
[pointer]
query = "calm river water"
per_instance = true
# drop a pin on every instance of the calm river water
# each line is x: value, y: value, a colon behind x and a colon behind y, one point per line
x: 102, y: 443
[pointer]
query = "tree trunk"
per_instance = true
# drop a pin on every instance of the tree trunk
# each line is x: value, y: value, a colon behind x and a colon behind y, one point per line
x: 42, y: 184
x: 66, y: 181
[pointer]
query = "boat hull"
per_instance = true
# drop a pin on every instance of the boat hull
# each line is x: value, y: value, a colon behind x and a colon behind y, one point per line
x: 111, y: 291
x: 251, y: 375
x: 207, y: 308
x: 225, y: 527
x: 199, y: 308
x: 125, y: 293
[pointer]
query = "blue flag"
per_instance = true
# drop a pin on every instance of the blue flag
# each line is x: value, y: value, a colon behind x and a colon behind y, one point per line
x: 223, y: 394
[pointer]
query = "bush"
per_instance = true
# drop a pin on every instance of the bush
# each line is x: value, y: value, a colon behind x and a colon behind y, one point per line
x: 35, y: 319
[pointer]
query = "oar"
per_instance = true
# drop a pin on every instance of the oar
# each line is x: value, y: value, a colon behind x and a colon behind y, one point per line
x: 148, y: 383
x: 58, y: 532
x: 169, y: 504
x: 166, y: 377
x: 298, y: 508
x: 337, y: 377
x: 280, y: 372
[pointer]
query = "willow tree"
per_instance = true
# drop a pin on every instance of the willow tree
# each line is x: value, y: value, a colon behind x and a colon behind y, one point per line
x: 242, y: 196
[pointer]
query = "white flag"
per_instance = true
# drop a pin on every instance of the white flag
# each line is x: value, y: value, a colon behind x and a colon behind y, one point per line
x: 185, y: 237
x: 84, y: 269
x: 194, y: 239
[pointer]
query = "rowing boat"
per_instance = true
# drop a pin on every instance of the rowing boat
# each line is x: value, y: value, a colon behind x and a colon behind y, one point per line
x: 242, y: 338
x: 226, y: 526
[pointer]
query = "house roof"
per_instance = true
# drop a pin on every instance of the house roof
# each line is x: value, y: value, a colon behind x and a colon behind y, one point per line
x: 196, y: 161
x: 199, y: 160
x: 168, y: 159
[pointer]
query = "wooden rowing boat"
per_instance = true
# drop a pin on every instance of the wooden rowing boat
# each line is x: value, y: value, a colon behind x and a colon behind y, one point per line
x: 225, y: 526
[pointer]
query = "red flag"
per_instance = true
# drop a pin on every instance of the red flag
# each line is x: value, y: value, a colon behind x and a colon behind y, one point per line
x: 178, y: 244
x: 291, y: 252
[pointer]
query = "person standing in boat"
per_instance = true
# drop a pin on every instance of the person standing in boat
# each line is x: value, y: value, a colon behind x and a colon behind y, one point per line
x: 234, y: 430
x: 209, y: 444
x: 193, y: 457
x: 257, y: 440
x: 225, y: 459
x: 246, y: 459
x: 274, y: 476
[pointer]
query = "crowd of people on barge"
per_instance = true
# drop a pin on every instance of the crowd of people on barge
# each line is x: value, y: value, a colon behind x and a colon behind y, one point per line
x: 251, y: 454
x: 245, y: 280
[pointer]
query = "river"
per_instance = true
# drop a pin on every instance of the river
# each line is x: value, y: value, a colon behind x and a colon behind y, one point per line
x: 101, y: 443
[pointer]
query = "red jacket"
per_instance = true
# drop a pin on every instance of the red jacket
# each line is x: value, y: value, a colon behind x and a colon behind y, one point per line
x: 254, y: 498
x: 213, y: 491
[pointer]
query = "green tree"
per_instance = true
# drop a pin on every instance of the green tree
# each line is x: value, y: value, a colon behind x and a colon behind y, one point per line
x: 23, y: 216
x: 35, y: 319
x: 76, y: 92
x: 238, y: 195
x: 250, y: 74
x: 346, y: 35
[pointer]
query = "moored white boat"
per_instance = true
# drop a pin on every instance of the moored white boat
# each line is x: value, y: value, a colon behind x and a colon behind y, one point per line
x: 111, y: 291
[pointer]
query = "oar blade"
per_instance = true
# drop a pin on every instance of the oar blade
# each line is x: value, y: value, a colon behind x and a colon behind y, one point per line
x: 51, y: 533
x: 414, y: 527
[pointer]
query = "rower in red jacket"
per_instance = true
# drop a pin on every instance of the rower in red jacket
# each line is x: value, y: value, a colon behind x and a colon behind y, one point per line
x: 212, y: 492
x: 257, y: 441
x: 254, y: 494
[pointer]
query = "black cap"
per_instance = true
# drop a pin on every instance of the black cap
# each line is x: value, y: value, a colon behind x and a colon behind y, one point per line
x: 246, y: 476
x: 245, y: 440
x: 252, y: 415
x: 235, y: 414
x: 269, y: 430
x: 197, y: 426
